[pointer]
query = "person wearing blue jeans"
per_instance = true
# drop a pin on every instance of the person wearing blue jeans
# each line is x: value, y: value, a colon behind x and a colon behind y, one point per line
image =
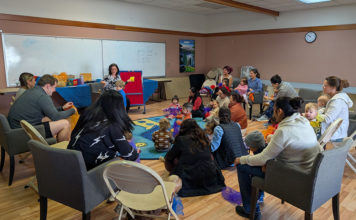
x: 256, y: 143
x: 245, y: 173
x: 294, y: 142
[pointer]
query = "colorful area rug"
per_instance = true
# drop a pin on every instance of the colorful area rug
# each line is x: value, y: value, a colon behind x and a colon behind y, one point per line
x: 142, y: 135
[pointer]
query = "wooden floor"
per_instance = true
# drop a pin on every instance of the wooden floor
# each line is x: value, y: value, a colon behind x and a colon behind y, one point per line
x: 19, y: 203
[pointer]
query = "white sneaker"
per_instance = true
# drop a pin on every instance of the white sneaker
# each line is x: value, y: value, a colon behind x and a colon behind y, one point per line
x: 262, y: 118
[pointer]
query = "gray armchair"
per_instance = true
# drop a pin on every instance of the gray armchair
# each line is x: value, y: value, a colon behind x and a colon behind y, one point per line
x: 258, y: 100
x: 305, y: 190
x: 62, y: 176
x: 13, y: 142
x: 309, y: 95
x: 352, y: 123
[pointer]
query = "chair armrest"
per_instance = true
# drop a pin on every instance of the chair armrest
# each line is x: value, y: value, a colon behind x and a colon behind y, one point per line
x: 287, y: 182
x: 95, y: 188
x: 17, y: 141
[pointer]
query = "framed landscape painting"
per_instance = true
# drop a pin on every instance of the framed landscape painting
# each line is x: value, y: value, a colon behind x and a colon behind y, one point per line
x: 186, y: 56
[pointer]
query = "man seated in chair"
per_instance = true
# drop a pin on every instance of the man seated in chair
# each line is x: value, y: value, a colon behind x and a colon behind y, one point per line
x: 36, y: 104
x: 282, y: 89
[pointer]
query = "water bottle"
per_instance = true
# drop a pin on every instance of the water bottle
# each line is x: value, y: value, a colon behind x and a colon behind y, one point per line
x: 81, y: 79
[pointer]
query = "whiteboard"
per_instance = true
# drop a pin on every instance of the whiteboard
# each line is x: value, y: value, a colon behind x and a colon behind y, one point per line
x: 145, y: 56
x: 52, y: 55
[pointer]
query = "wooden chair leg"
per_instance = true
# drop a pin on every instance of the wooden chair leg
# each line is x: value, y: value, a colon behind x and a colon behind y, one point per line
x: 2, y: 158
x: 251, y: 111
x: 12, y: 169
x: 336, y: 212
x: 86, y: 216
x: 254, y: 197
x: 308, y: 216
x: 43, y: 208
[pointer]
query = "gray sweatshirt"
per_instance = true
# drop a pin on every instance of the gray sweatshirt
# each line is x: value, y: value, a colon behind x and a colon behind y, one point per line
x: 294, y: 142
x: 33, y: 105
x: 337, y: 107
x: 285, y: 89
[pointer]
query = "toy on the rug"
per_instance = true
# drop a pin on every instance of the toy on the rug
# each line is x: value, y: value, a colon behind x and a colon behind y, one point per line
x: 177, y: 205
x: 173, y: 109
x: 231, y: 196
x: 129, y: 138
x: 163, y: 138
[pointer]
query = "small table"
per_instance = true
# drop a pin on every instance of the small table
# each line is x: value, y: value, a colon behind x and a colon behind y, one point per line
x: 8, y: 90
x: 161, y: 87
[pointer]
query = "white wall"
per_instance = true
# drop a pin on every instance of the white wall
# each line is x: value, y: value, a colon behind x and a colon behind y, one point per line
x: 107, y: 12
x: 253, y: 21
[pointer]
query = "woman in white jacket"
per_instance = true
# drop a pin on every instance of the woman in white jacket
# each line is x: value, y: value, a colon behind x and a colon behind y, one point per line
x: 294, y: 142
x: 337, y: 107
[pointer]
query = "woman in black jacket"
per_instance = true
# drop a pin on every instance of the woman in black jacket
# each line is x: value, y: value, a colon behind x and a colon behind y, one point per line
x: 99, y: 133
x: 190, y: 159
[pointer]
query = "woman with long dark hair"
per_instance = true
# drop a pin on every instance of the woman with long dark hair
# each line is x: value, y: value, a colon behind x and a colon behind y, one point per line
x: 254, y: 82
x: 197, y: 102
x: 99, y: 133
x: 191, y: 160
x: 337, y: 107
x: 294, y: 142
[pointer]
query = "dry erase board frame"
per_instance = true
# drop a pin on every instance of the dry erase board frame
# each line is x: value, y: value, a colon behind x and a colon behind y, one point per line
x: 41, y: 54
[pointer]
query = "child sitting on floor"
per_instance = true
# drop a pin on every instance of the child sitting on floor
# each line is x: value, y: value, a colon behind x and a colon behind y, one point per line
x: 311, y: 113
x: 213, y: 114
x: 256, y: 143
x: 129, y: 138
x: 187, y: 114
x: 322, y: 101
x: 163, y: 138
x: 174, y: 108
x: 209, y: 129
x: 242, y: 88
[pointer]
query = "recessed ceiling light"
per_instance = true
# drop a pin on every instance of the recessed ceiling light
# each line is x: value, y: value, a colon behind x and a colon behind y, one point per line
x: 313, y: 1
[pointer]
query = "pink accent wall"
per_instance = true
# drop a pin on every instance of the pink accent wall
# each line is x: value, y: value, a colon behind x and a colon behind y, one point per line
x: 333, y: 53
x: 287, y: 54
x: 172, y: 42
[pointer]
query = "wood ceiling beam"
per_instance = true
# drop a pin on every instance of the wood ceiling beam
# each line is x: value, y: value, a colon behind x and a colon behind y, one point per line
x: 245, y: 6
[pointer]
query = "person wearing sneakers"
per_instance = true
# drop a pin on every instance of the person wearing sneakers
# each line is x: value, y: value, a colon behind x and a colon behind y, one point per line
x: 256, y: 143
x: 293, y: 143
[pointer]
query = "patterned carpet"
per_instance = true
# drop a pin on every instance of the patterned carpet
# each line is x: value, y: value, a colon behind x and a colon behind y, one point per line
x: 142, y: 135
